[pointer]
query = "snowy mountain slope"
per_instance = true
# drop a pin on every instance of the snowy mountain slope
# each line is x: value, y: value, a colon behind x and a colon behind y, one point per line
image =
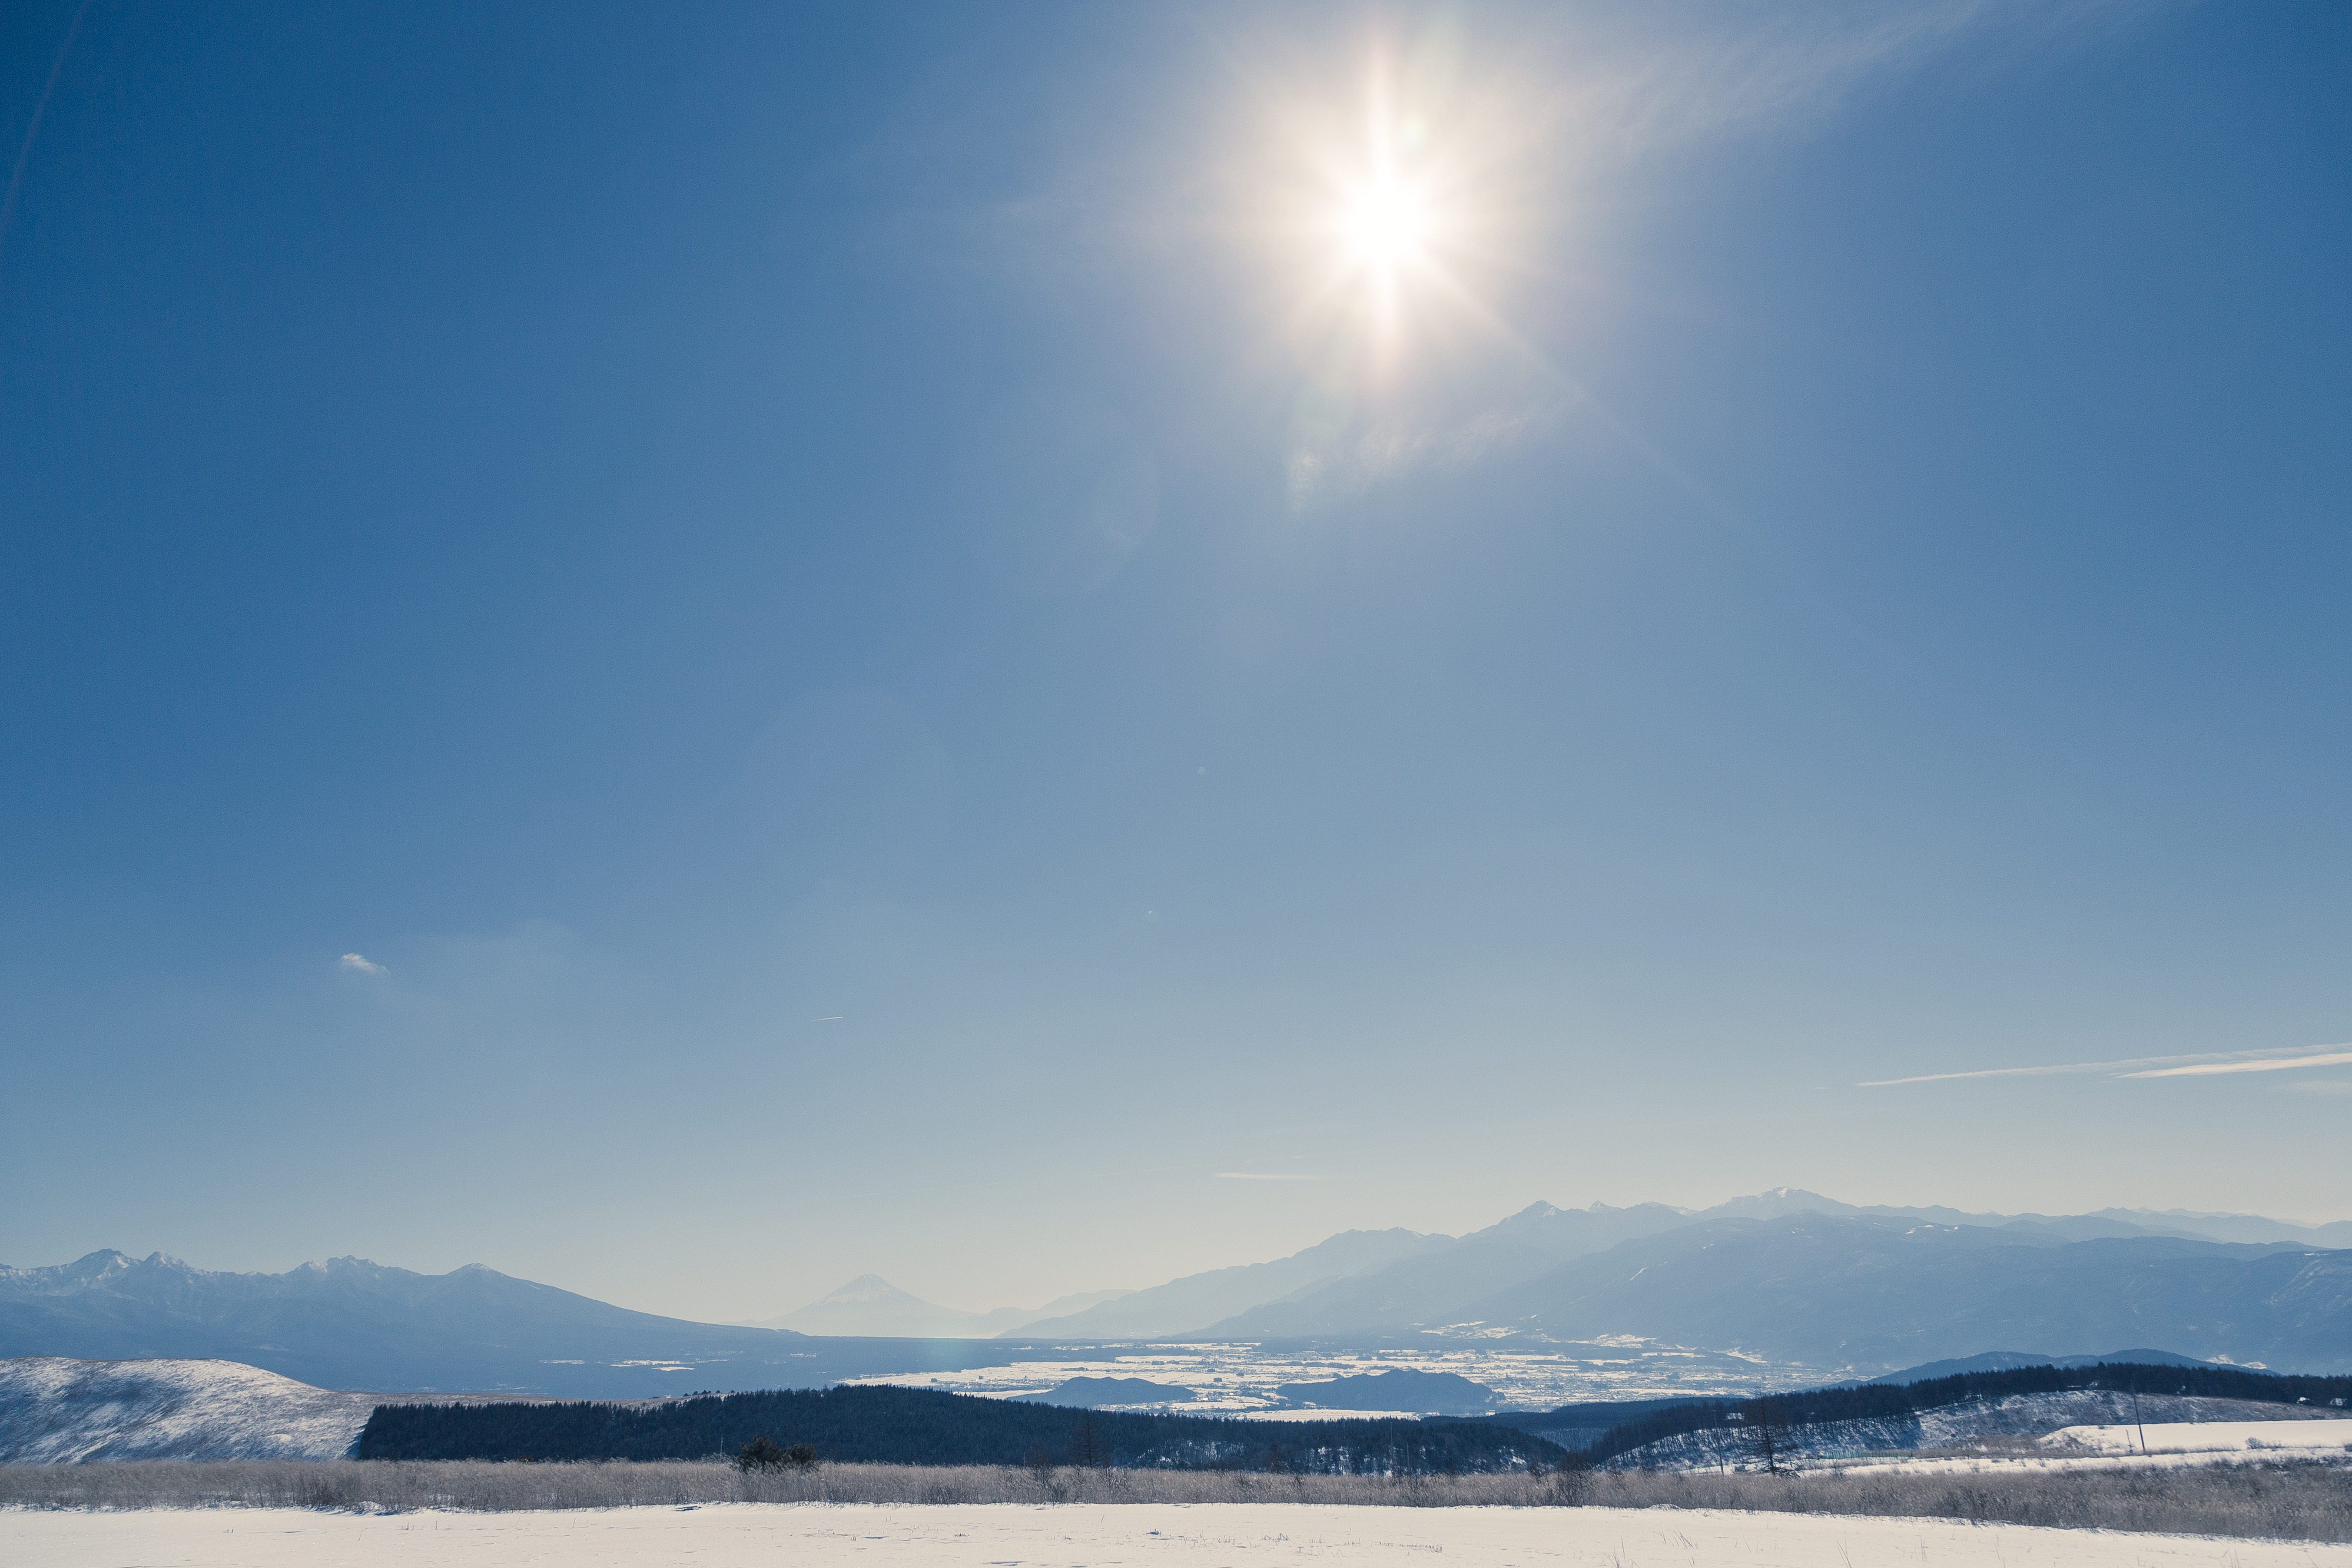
x: 1438, y: 1280
x: 55, y: 1410
x: 1414, y: 1292
x: 1198, y: 1299
x: 1433, y: 1285
x: 1875, y: 1294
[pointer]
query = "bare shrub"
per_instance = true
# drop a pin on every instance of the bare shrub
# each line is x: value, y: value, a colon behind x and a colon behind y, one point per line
x: 2299, y: 1499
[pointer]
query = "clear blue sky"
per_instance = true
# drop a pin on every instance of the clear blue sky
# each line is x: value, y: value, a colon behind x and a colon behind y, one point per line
x: 889, y: 666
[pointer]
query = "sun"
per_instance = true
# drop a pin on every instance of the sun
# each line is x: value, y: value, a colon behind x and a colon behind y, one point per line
x: 1385, y: 226
x: 1390, y: 206
x: 1388, y: 217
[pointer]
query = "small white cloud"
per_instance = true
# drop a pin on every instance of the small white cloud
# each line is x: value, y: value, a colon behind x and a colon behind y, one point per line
x: 358, y: 964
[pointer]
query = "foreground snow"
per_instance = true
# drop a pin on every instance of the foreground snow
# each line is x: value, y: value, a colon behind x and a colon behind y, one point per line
x: 1224, y: 1536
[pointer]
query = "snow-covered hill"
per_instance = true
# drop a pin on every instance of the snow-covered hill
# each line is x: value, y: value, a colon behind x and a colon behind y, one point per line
x: 53, y: 1409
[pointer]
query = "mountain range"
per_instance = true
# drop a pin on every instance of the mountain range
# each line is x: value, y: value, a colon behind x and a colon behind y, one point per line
x: 350, y: 1323
x: 1783, y: 1277
x: 1517, y: 1275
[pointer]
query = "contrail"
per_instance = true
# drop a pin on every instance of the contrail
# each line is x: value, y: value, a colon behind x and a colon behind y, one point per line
x: 2267, y: 1064
x: 2199, y: 1064
x: 25, y: 152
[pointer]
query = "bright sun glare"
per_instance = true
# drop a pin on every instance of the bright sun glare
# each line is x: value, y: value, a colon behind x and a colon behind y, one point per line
x: 1394, y: 202
x: 1385, y: 226
x: 1390, y: 233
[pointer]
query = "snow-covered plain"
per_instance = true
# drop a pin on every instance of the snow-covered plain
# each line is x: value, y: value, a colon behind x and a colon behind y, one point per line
x: 1240, y: 1379
x: 2204, y: 1437
x: 1214, y: 1536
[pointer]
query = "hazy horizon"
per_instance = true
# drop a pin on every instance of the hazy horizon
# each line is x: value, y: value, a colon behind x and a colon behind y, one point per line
x: 695, y: 653
x: 951, y: 1302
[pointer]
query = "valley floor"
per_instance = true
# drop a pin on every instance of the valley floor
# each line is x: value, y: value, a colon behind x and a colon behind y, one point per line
x: 1244, y: 1535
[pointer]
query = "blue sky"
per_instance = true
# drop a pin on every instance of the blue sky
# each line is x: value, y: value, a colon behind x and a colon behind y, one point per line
x: 883, y: 664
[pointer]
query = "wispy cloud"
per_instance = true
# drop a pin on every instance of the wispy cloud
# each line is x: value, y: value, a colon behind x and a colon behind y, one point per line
x: 2194, y: 1065
x: 359, y: 965
x: 1321, y: 470
x: 1265, y: 1177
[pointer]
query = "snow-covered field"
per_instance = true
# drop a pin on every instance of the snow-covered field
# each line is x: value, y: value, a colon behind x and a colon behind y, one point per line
x: 2205, y: 1437
x: 1220, y: 1536
x: 1240, y: 1379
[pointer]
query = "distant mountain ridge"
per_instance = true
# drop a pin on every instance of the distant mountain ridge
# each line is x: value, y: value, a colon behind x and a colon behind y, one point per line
x: 1364, y: 1283
x: 1873, y: 1293
x: 1198, y: 1299
x: 350, y: 1323
x: 1786, y: 1276
x: 1791, y: 1275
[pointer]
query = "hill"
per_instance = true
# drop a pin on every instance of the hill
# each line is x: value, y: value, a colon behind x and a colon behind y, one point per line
x: 54, y: 1410
x: 1398, y: 1389
x: 1109, y: 1393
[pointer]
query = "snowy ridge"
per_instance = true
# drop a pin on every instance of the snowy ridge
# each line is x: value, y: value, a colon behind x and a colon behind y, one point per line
x: 55, y: 1410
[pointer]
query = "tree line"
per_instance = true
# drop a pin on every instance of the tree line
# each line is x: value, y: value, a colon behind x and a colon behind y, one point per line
x: 883, y: 1425
x: 1858, y: 1402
